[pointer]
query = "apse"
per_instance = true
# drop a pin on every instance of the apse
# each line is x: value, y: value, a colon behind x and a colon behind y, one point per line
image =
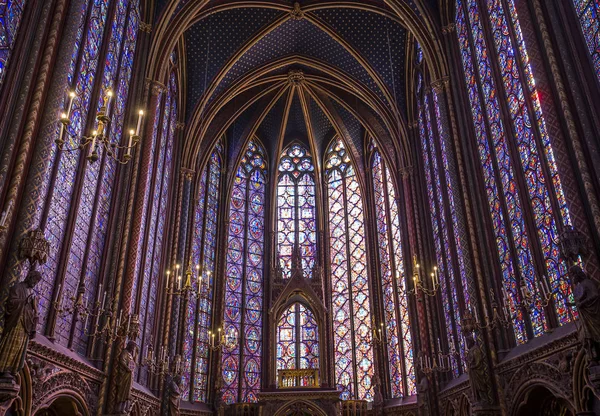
x: 246, y: 208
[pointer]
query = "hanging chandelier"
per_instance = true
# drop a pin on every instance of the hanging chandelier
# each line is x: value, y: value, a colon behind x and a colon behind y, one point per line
x: 99, y: 139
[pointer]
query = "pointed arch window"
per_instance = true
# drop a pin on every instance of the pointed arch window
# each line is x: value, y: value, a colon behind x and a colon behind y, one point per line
x: 393, y: 281
x: 199, y: 308
x: 85, y: 199
x: 517, y: 159
x: 589, y: 18
x: 297, y: 339
x: 244, y: 278
x: 11, y: 13
x: 151, y: 245
x: 351, y: 309
x: 296, y: 214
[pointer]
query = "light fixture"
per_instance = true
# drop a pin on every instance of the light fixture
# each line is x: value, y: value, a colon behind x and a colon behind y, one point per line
x: 99, y: 137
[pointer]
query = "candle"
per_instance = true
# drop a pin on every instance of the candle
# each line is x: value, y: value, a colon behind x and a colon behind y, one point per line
x: 130, y: 143
x: 71, y: 98
x: 139, y: 123
x: 94, y: 135
x: 437, y: 277
x: 439, y: 345
x: 104, y: 300
x: 57, y: 292
x: 107, y: 100
x: 545, y: 285
x: 128, y: 323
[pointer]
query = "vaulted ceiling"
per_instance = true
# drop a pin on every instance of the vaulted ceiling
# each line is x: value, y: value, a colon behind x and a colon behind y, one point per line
x: 303, y: 71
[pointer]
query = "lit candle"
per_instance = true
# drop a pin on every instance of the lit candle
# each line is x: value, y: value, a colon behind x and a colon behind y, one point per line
x: 99, y: 293
x: 94, y: 135
x: 71, y: 98
x: 108, y: 100
x: 139, y: 123
x: 131, y: 134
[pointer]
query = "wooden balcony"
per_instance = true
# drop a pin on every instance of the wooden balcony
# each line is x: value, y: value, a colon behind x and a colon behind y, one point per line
x: 298, y: 379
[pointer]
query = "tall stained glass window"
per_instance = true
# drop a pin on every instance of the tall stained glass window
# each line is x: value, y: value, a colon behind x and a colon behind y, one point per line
x: 513, y: 143
x: 89, y: 204
x: 244, y: 278
x: 351, y: 309
x: 199, y: 308
x: 296, y: 221
x: 297, y: 339
x: 587, y: 11
x: 157, y: 193
x: 11, y: 12
x: 393, y: 280
x: 444, y: 225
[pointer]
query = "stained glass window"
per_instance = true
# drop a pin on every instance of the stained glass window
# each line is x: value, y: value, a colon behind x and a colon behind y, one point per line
x: 244, y: 278
x: 11, y: 12
x: 296, y: 221
x: 155, y: 229
x: 450, y: 287
x: 199, y: 308
x: 297, y: 339
x: 513, y: 147
x: 89, y: 70
x: 393, y: 280
x: 587, y: 11
x: 351, y: 310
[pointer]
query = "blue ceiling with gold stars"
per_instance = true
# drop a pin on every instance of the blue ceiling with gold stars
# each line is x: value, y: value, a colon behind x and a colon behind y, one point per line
x: 352, y: 59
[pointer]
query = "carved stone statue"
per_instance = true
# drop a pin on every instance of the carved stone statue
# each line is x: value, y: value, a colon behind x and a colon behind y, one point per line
x: 124, y: 377
x: 174, y: 392
x: 19, y: 326
x: 477, y: 375
x: 587, y: 300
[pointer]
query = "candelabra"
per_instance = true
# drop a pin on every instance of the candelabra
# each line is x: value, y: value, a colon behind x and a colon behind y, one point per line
x: 111, y: 329
x: 161, y: 365
x: 99, y: 138
x: 440, y: 362
x: 420, y: 285
x: 378, y: 336
x: 219, y: 340
x: 4, y: 216
x: 182, y: 289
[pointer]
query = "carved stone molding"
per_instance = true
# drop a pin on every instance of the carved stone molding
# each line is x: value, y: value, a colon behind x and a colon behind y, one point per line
x: 65, y: 383
x: 297, y: 13
x: 180, y: 125
x: 37, y: 350
x: 438, y: 85
x: 188, y: 173
x: 155, y: 87
x: 145, y: 27
x: 296, y: 77
x: 449, y: 28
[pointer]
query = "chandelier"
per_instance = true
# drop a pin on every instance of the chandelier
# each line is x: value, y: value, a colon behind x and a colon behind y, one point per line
x: 99, y: 138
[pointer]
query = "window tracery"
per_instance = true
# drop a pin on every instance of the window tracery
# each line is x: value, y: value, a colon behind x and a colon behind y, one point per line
x: 519, y: 167
x: 296, y: 215
x: 88, y: 207
x: 351, y: 310
x: 393, y: 279
x: 199, y: 307
x: 244, y: 278
x: 587, y: 12
x: 11, y: 14
x: 297, y: 339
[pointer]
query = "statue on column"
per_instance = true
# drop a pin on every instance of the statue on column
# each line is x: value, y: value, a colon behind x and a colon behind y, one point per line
x: 477, y: 372
x: 124, y: 377
x: 587, y: 300
x: 19, y: 326
x: 174, y: 395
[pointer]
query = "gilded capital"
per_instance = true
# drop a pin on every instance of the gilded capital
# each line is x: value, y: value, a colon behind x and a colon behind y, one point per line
x: 145, y: 27
x: 297, y: 13
x: 296, y: 77
x: 439, y: 85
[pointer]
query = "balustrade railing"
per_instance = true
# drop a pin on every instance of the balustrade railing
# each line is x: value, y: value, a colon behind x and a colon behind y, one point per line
x: 302, y: 378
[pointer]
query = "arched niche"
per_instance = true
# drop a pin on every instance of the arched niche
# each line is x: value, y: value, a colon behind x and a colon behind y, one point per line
x: 308, y: 301
x: 64, y: 405
x: 540, y: 401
